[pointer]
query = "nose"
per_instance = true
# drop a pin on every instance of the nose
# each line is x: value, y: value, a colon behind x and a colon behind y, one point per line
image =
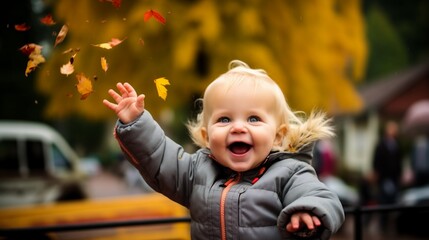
x: 238, y: 127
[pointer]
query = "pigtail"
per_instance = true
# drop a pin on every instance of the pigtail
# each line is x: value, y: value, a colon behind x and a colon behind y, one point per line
x: 303, y: 132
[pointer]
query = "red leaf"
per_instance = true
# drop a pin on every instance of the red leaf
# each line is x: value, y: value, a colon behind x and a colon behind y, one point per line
x: 22, y: 27
x: 27, y: 49
x: 47, y: 20
x: 151, y: 13
x: 116, y: 3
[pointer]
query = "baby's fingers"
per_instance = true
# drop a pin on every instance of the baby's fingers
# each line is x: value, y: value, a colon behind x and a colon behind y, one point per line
x: 316, y: 221
x: 130, y: 90
x: 110, y: 105
x: 115, y: 96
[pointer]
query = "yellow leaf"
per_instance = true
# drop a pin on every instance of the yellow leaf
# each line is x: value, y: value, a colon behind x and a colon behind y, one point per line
x: 160, y: 84
x: 104, y: 64
x: 103, y: 45
x: 109, y: 45
x: 84, y: 86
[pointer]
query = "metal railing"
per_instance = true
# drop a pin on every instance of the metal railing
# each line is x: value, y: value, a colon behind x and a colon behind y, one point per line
x: 357, y: 213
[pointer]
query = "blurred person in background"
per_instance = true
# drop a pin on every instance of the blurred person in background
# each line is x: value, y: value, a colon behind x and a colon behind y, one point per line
x: 420, y: 160
x: 387, y: 167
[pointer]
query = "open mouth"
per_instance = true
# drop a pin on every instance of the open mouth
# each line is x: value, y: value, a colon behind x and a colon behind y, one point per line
x: 239, y: 147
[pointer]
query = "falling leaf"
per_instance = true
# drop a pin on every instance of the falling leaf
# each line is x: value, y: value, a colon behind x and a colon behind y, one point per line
x: 61, y: 35
x: 115, y: 3
x: 67, y: 69
x: 35, y: 56
x: 71, y: 50
x: 27, y: 49
x: 22, y: 27
x: 151, y: 13
x: 48, y: 20
x: 160, y: 84
x: 104, y: 64
x: 109, y: 45
x: 84, y: 86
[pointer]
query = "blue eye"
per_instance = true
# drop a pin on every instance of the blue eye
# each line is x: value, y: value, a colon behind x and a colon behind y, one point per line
x: 223, y: 120
x: 254, y: 119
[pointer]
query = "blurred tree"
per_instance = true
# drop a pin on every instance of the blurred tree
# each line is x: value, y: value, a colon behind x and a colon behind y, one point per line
x: 315, y: 50
x: 18, y: 100
x: 387, y: 50
x: 396, y: 31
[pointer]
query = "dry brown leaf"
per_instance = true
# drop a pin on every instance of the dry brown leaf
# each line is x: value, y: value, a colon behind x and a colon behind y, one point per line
x: 61, y: 35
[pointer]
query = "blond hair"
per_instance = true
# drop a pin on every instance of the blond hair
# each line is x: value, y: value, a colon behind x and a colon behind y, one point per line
x: 299, y: 130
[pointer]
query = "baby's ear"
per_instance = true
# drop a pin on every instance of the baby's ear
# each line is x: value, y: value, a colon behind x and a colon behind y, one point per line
x: 280, y: 135
x: 204, y: 137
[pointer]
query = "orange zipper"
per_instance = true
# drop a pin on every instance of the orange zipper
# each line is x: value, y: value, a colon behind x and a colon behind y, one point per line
x: 228, y: 184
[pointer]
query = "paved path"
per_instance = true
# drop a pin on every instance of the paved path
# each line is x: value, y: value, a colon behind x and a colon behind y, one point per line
x: 105, y: 184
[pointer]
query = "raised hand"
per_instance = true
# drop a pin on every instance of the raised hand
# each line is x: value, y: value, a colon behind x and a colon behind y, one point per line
x: 128, y: 105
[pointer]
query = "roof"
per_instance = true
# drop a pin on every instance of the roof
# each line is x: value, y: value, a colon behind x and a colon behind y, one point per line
x: 29, y: 130
x: 379, y: 92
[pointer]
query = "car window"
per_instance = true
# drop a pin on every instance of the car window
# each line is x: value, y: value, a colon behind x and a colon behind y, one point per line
x: 35, y: 156
x: 9, y: 161
x: 61, y: 162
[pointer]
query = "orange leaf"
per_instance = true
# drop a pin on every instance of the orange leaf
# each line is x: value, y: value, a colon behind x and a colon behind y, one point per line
x: 151, y: 13
x: 22, y: 27
x: 61, y: 35
x: 47, y: 20
x: 109, y: 45
x: 84, y: 86
x: 160, y: 84
x: 104, y: 64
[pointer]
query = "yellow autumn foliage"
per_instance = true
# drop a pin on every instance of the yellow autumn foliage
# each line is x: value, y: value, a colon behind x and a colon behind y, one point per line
x: 315, y: 49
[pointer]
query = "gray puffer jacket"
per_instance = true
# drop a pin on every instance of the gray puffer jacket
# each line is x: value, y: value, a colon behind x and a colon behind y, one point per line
x: 256, y: 204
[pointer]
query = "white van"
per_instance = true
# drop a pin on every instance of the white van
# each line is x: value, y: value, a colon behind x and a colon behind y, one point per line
x: 36, y: 165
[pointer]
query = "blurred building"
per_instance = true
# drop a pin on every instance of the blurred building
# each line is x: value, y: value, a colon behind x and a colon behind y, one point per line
x: 385, y: 99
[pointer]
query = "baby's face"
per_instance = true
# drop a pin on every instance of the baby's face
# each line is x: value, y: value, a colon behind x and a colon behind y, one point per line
x: 241, y: 129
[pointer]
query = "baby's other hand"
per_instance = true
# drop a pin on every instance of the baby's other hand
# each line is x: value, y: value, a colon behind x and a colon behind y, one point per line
x: 128, y: 105
x: 303, y: 222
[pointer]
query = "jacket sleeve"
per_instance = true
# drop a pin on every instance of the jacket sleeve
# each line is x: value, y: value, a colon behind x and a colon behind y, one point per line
x: 304, y: 192
x: 164, y: 165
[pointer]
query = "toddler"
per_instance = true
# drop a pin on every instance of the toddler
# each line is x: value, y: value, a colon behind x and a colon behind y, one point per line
x: 251, y: 177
